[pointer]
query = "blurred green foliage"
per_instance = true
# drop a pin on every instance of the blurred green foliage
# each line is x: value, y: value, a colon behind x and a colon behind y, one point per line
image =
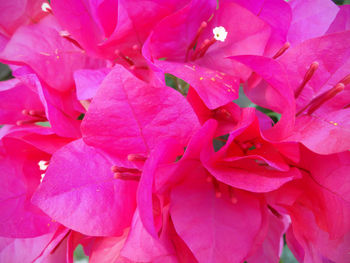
x: 5, y: 72
x: 79, y: 255
x: 342, y: 2
x: 287, y: 256
x: 43, y: 123
x: 176, y: 83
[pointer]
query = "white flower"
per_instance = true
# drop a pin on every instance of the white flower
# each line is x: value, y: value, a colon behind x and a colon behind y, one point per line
x: 220, y: 33
x: 46, y: 7
x: 43, y: 165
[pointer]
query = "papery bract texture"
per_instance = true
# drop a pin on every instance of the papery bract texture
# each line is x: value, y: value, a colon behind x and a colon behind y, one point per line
x: 80, y: 180
x: 140, y: 114
x: 221, y: 220
x: 174, y: 131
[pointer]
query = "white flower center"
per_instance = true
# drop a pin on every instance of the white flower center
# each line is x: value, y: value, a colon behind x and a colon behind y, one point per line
x: 220, y: 33
x: 43, y: 165
x: 46, y: 7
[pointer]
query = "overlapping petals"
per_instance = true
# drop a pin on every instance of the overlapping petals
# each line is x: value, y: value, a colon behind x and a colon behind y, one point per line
x: 175, y: 131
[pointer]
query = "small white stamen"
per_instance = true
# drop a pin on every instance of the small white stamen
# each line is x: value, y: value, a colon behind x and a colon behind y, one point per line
x: 64, y: 33
x: 46, y: 7
x: 43, y: 165
x: 42, y: 178
x: 220, y: 33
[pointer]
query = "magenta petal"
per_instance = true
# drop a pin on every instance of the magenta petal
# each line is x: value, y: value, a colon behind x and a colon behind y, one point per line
x: 215, y: 229
x: 169, y: 175
x: 342, y: 20
x: 19, y: 12
x: 331, y: 52
x: 325, y: 134
x: 52, y: 57
x: 107, y: 13
x: 275, y: 75
x: 250, y: 38
x: 311, y: 18
x: 42, y: 138
x: 80, y: 192
x: 244, y: 169
x: 3, y: 42
x: 294, y: 245
x: 272, y: 247
x: 277, y: 13
x: 255, y: 179
x: 214, y: 87
x: 330, y: 171
x: 61, y: 113
x: 14, y: 98
x: 316, y: 243
x: 59, y: 106
x: 166, y: 151
x: 80, y: 18
x: 22, y: 250
x: 202, y: 138
x: 275, y: 94
x: 182, y: 25
x: 54, y: 248
x: 19, y: 217
x: 140, y: 246
x: 140, y: 115
x: 87, y: 82
x: 107, y: 249
x: 138, y: 18
x: 227, y: 115
x: 320, y: 215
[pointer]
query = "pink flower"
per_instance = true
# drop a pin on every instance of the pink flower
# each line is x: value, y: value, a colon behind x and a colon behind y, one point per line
x: 316, y: 71
x: 18, y: 13
x: 221, y: 217
x: 26, y: 101
x: 52, y: 57
x: 135, y: 171
x: 80, y: 192
x: 319, y: 207
x: 227, y: 115
x: 341, y: 21
x: 39, y: 249
x: 310, y: 19
x: 115, y: 30
x: 141, y: 114
x: 25, y: 154
x: 257, y: 164
x: 199, y: 58
x: 13, y: 109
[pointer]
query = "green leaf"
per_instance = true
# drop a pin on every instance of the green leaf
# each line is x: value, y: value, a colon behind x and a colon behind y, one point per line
x: 79, y: 255
x: 5, y: 72
x: 274, y: 116
x: 287, y: 256
x: 243, y: 101
x: 176, y: 83
x: 44, y: 123
x: 81, y: 116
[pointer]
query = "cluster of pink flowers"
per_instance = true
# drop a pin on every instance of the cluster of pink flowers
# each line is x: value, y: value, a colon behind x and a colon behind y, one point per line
x: 97, y: 150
